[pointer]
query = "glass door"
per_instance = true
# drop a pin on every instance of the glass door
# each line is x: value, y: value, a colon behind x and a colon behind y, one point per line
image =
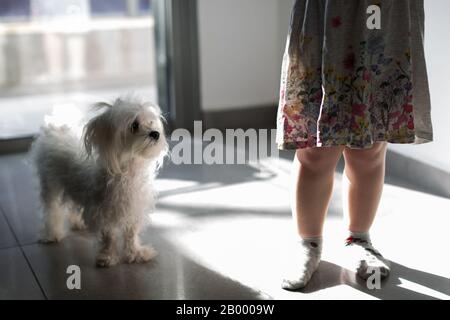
x: 61, y: 54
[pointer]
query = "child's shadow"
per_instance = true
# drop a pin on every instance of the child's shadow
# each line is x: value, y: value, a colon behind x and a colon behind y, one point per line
x: 330, y: 275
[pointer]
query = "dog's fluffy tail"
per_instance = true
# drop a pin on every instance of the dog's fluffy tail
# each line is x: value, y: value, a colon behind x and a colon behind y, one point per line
x: 61, y: 132
x: 55, y: 143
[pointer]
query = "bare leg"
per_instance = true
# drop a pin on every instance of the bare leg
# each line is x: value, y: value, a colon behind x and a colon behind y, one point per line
x: 364, y: 179
x: 313, y: 174
x: 107, y: 255
x: 134, y: 251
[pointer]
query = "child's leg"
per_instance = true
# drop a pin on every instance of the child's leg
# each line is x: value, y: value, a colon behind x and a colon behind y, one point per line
x: 364, y: 179
x: 313, y: 175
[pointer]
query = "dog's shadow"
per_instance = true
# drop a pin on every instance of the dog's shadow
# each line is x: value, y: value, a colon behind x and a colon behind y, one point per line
x: 330, y: 275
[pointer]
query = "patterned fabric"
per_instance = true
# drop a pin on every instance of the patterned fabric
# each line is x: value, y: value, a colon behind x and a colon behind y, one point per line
x: 343, y: 84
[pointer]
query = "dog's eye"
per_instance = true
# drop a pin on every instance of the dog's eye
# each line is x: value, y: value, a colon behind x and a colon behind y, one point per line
x: 135, y: 126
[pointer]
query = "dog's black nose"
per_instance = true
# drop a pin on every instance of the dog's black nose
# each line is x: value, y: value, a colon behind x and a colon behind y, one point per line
x: 154, y: 135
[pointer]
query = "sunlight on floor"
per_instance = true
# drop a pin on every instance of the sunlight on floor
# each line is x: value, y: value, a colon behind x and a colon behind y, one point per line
x: 422, y: 289
x: 225, y: 232
x: 247, y: 236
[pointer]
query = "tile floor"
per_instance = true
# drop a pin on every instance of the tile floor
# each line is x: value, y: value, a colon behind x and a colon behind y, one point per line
x: 223, y: 232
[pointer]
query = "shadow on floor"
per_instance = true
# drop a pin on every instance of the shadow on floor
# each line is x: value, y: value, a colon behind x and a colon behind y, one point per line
x: 330, y: 275
x: 224, y: 174
x: 163, y: 280
x: 202, y: 211
x: 172, y: 275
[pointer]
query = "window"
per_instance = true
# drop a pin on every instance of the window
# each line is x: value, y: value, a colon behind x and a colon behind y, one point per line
x: 67, y: 52
x: 120, y: 7
x: 145, y: 6
x: 14, y: 10
x: 108, y: 7
x: 20, y: 10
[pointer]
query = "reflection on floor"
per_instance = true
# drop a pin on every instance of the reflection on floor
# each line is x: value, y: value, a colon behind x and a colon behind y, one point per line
x: 223, y: 232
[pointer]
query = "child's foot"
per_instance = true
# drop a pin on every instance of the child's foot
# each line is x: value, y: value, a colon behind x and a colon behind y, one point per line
x: 367, y: 258
x: 306, y: 264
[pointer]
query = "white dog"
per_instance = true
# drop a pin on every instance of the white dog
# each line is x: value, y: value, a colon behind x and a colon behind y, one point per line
x: 105, y: 180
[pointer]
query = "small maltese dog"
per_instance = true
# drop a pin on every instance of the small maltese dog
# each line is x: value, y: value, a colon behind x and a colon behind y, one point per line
x: 103, y: 181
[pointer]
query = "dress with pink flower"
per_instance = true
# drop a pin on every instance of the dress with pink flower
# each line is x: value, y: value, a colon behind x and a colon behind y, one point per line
x: 345, y: 84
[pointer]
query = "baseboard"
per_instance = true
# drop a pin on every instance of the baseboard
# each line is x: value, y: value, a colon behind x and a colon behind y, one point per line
x: 412, y: 174
x: 418, y: 175
x: 15, y: 145
x: 261, y: 117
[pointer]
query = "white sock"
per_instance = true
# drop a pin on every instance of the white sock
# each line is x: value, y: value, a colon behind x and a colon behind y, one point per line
x: 310, y: 250
x: 366, y: 257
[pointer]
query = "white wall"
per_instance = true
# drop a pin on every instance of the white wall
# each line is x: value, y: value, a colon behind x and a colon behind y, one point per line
x: 241, y: 46
x: 437, y: 49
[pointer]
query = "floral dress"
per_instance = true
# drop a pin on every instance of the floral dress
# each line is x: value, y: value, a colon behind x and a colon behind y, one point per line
x: 344, y: 83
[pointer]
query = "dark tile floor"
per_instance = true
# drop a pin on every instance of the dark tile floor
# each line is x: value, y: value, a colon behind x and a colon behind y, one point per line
x: 222, y: 232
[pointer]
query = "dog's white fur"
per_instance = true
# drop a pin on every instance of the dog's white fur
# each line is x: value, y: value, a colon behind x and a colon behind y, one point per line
x: 105, y: 180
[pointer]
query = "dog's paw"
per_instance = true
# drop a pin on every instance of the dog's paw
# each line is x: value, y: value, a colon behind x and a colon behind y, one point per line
x: 106, y: 260
x: 140, y: 255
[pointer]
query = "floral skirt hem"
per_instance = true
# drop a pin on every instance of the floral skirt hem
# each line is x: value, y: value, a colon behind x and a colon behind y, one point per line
x: 312, y: 142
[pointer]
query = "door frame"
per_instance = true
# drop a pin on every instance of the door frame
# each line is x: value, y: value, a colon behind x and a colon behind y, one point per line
x: 177, y: 61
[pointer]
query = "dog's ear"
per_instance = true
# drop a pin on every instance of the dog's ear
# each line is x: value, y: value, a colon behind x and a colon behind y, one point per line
x: 100, y: 136
x: 96, y: 130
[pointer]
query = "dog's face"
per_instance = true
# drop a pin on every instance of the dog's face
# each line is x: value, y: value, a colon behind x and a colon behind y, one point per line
x: 125, y: 130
